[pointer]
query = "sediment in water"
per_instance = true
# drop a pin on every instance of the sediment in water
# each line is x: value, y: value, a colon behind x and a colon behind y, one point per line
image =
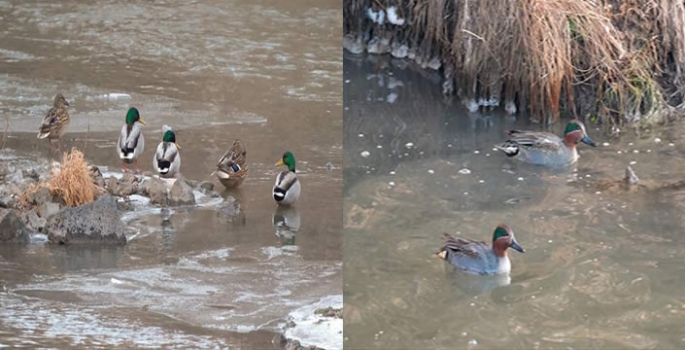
x: 619, y: 61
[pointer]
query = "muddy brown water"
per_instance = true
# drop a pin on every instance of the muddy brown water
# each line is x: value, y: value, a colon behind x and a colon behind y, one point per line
x: 601, y: 269
x: 267, y: 72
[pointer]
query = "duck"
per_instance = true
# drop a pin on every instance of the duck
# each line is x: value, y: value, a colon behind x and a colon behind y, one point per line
x: 287, y: 187
x: 547, y: 149
x: 131, y: 141
x: 232, y: 167
x: 477, y: 257
x: 167, y: 160
x: 56, y: 121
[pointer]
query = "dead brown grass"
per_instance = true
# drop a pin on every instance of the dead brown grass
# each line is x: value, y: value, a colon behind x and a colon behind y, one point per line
x: 71, y: 182
x: 616, y: 60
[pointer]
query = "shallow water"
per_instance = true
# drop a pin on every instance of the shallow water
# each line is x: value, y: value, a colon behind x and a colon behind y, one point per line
x: 267, y: 72
x: 602, y: 266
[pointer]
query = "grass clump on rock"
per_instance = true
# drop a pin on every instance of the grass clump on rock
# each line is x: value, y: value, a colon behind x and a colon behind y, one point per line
x: 615, y: 60
x: 71, y: 181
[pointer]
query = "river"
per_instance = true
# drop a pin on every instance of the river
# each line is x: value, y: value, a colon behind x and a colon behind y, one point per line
x: 602, y: 265
x: 267, y: 72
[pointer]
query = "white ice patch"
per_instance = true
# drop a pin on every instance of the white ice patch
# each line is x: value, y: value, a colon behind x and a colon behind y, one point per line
x: 376, y: 17
x: 111, y: 96
x: 313, y: 329
x: 393, y: 17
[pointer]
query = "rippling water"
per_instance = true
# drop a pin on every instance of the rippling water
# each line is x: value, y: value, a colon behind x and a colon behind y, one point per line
x: 602, y: 265
x: 267, y: 72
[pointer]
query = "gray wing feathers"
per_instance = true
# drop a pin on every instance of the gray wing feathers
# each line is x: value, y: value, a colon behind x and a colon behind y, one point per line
x: 286, y: 180
x: 166, y: 151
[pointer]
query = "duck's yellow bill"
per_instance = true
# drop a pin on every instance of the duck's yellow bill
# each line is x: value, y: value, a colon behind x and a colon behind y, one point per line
x: 177, y: 145
x: 141, y: 121
x: 280, y: 162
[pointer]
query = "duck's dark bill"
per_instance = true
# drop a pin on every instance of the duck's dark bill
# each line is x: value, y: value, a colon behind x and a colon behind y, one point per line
x: 586, y: 140
x: 516, y: 246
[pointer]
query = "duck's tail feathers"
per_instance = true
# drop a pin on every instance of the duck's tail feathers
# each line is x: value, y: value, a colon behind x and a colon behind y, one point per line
x: 511, y: 149
x: 126, y: 153
x: 279, y: 194
x: 42, y: 135
x: 163, y: 166
x: 442, y: 254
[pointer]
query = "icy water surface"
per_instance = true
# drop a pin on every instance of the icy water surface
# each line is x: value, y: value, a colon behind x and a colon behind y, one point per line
x: 229, y: 275
x: 602, y: 267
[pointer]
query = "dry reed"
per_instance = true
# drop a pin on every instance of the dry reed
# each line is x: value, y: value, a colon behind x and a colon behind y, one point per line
x: 71, y: 182
x: 618, y: 60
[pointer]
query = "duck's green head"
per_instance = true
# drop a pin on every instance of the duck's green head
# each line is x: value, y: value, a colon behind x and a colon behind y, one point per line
x: 170, y: 136
x: 575, y: 132
x: 287, y: 159
x: 503, y: 238
x: 133, y: 116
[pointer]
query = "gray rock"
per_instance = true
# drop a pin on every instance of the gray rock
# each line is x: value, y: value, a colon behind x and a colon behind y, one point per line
x: 127, y: 186
x: 12, y: 229
x: 111, y: 183
x: 10, y: 194
x: 40, y: 196
x: 191, y: 183
x: 156, y: 190
x: 293, y: 345
x: 125, y: 205
x: 279, y: 340
x: 15, y: 177
x: 206, y: 186
x: 31, y: 173
x: 7, y: 201
x: 12, y: 190
x: 33, y: 221
x: 181, y: 193
x: 47, y: 210
x: 4, y: 169
x: 96, y: 176
x: 97, y: 222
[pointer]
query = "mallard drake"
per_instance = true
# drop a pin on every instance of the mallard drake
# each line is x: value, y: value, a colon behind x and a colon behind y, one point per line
x: 479, y: 258
x: 56, y: 122
x: 287, y: 187
x: 232, y: 167
x: 131, y: 141
x: 167, y: 159
x: 544, y: 148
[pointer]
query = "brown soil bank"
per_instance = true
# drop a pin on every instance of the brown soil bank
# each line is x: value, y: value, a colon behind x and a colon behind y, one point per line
x: 616, y: 60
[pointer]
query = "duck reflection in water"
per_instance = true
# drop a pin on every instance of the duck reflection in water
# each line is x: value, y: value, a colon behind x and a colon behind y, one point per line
x: 474, y: 285
x: 286, y: 222
x: 168, y: 229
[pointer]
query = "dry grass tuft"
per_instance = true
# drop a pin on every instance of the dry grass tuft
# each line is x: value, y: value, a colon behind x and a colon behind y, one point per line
x: 617, y: 60
x: 71, y: 181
